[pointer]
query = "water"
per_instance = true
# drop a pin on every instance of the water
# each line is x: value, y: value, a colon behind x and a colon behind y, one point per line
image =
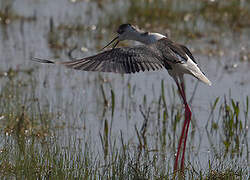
x: 50, y: 29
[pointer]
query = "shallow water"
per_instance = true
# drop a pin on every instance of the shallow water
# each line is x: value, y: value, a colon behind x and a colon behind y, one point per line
x: 50, y: 29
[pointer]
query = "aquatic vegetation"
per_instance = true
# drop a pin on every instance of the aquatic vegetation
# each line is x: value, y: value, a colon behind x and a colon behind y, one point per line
x: 7, y: 15
x: 31, y: 146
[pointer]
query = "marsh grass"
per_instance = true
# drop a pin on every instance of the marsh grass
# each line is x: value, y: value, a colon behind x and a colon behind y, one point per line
x: 31, y: 147
x: 180, y: 16
x: 7, y: 15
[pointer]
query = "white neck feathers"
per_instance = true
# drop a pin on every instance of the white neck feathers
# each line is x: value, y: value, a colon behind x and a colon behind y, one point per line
x: 148, y: 38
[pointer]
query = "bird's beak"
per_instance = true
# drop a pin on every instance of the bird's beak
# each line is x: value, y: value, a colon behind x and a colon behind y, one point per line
x: 116, y: 38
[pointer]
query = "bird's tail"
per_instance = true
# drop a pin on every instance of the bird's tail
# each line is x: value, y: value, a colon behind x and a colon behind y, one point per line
x: 196, y: 72
x: 203, y: 78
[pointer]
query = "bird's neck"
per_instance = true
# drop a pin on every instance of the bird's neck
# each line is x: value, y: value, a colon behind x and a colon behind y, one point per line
x: 147, y: 37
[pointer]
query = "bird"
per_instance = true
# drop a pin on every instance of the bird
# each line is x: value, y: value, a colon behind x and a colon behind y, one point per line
x: 156, y: 52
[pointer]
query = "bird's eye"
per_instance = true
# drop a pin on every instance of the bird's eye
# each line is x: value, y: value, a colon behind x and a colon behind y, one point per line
x: 120, y: 31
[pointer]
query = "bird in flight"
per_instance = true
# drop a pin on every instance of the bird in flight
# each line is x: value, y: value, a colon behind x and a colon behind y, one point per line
x: 156, y: 52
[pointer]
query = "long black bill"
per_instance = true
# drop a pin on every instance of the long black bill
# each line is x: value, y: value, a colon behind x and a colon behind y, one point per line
x: 42, y: 60
x: 111, y: 43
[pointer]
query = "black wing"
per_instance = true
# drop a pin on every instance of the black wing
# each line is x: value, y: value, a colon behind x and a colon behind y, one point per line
x: 186, y: 50
x: 161, y: 54
x: 120, y: 60
x: 172, y: 52
x: 177, y: 52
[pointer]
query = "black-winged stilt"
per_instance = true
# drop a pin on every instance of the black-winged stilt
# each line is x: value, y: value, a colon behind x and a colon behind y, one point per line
x: 158, y: 52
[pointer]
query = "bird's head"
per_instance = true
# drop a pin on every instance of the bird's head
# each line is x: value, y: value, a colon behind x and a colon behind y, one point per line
x: 124, y: 32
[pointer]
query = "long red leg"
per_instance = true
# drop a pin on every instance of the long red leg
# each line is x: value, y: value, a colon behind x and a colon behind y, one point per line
x: 185, y: 128
x: 179, y: 147
x: 188, y: 114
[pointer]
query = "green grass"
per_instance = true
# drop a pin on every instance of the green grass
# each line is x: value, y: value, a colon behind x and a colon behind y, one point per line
x: 31, y: 147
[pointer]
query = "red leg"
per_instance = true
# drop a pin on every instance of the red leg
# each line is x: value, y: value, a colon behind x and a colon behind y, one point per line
x: 182, y: 92
x: 188, y: 115
x: 185, y: 127
x: 179, y: 146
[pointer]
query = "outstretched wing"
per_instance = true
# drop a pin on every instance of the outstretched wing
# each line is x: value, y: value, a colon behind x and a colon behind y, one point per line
x: 118, y: 60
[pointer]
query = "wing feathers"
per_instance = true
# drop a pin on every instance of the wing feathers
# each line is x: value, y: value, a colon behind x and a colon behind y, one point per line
x: 130, y: 59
